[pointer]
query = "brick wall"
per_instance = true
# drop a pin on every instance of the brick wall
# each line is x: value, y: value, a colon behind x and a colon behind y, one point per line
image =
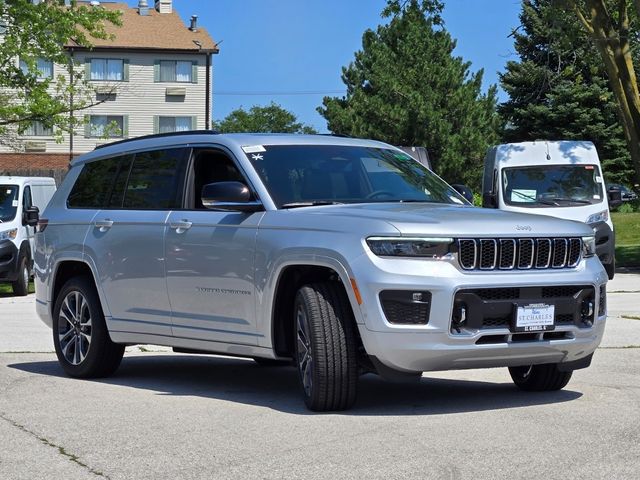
x: 53, y: 165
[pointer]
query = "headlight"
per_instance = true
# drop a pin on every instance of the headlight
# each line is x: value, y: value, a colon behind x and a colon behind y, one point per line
x: 9, y: 234
x: 602, y: 216
x: 409, y: 247
x: 588, y: 246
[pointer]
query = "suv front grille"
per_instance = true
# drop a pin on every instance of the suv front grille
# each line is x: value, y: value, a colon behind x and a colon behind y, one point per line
x: 518, y: 253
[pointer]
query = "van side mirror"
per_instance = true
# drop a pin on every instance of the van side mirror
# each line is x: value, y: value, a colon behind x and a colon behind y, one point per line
x: 615, y: 197
x: 489, y: 200
x: 31, y: 216
x: 230, y: 196
x: 464, y: 191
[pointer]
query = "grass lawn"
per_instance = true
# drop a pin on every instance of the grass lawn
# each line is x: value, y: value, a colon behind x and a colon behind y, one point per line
x: 5, y: 289
x: 627, y: 227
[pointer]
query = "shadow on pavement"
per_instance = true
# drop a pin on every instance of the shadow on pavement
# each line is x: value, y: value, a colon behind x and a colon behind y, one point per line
x: 243, y: 381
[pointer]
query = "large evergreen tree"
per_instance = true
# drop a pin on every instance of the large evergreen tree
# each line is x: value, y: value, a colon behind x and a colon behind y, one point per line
x: 559, y: 88
x: 405, y: 87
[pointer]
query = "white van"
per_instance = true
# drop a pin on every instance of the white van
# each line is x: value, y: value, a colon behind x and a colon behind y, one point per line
x: 557, y: 178
x: 21, y: 200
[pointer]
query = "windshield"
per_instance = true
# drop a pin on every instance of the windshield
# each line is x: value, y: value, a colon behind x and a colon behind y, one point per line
x: 552, y: 186
x: 301, y: 175
x: 8, y: 202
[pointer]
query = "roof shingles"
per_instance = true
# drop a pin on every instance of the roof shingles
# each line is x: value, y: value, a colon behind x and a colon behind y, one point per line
x: 159, y: 31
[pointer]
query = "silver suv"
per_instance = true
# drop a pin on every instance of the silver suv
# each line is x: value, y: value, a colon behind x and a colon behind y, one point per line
x: 346, y: 256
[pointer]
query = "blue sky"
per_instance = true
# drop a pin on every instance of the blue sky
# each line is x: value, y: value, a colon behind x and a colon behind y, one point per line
x: 271, y: 47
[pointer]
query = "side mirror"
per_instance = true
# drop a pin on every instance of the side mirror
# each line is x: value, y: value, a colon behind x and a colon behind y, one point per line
x: 231, y: 196
x: 615, y: 197
x: 489, y: 200
x: 464, y: 191
x: 31, y: 216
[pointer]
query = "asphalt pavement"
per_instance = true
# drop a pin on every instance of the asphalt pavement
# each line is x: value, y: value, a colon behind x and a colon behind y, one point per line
x: 165, y: 415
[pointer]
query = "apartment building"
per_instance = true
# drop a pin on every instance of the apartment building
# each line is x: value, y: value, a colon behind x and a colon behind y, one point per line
x: 153, y: 76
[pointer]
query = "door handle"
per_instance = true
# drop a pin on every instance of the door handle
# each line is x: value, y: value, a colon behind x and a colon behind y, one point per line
x: 104, y: 225
x: 181, y: 227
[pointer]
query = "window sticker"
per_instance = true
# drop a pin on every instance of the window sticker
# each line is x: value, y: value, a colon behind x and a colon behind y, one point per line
x: 596, y: 197
x: 14, y: 203
x: 598, y: 179
x: 521, y: 195
x: 9, y: 192
x: 253, y: 149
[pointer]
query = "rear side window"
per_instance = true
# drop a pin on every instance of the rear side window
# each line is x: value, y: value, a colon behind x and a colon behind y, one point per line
x: 101, y: 183
x: 157, y: 180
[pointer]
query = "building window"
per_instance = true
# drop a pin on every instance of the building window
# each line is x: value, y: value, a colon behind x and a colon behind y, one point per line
x: 44, y: 68
x: 38, y: 129
x: 174, y: 124
x: 107, y: 69
x: 106, y: 126
x: 175, y: 71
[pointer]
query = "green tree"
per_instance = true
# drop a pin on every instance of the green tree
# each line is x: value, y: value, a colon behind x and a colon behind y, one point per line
x: 405, y: 87
x: 613, y: 26
x: 270, y: 119
x: 559, y: 90
x: 32, y: 33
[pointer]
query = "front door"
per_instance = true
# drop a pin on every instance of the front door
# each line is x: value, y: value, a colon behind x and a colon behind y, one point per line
x: 210, y: 261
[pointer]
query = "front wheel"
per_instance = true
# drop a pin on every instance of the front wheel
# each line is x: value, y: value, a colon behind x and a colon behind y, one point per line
x: 80, y: 335
x: 539, y: 378
x: 21, y: 286
x: 325, y: 347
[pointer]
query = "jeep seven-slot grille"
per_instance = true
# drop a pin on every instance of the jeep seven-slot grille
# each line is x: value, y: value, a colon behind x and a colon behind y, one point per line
x: 518, y: 253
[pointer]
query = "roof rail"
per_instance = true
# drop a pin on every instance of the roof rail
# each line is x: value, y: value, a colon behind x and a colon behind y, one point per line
x: 160, y: 135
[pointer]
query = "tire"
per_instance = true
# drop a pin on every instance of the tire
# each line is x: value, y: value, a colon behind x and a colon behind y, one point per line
x: 21, y: 285
x: 611, y: 268
x: 540, y: 378
x: 80, y: 335
x: 270, y: 362
x: 325, y: 347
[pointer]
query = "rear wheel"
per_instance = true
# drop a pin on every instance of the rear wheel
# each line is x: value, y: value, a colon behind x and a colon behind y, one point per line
x: 21, y: 286
x: 325, y: 347
x: 539, y: 378
x: 80, y: 335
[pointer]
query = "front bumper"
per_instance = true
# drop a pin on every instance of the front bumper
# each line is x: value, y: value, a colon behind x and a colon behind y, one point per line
x: 9, y: 255
x: 437, y: 346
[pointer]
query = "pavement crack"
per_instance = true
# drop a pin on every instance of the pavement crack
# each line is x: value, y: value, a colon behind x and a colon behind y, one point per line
x: 61, y: 450
x: 619, y: 348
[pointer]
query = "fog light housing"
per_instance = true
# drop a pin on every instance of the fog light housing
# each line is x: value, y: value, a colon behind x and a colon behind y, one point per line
x: 587, y: 310
x: 406, y: 307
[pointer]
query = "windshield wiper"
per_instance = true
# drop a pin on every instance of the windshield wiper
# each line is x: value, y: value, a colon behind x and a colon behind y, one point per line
x: 576, y: 200
x: 314, y: 203
x: 543, y: 202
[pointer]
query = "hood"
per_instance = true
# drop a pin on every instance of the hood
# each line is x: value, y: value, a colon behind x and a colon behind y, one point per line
x: 453, y: 220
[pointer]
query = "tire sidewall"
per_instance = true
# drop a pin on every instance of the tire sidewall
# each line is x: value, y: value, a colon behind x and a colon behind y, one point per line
x: 21, y: 285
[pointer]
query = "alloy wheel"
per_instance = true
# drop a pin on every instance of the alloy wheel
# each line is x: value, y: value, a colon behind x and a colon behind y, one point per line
x: 74, y: 328
x: 304, y: 353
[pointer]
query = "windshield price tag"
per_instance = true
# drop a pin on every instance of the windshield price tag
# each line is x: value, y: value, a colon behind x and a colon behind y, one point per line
x: 254, y: 149
x: 534, y: 317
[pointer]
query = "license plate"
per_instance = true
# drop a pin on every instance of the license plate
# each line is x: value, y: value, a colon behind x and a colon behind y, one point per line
x: 534, y: 317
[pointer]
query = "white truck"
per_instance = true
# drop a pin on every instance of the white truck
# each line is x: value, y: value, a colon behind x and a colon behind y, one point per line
x: 557, y: 178
x: 21, y: 199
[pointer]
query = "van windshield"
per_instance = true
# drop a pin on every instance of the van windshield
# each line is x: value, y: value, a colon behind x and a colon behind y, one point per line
x: 552, y: 186
x: 8, y: 202
x: 304, y: 175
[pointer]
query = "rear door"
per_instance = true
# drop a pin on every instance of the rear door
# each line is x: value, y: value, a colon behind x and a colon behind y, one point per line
x: 210, y: 260
x: 126, y: 241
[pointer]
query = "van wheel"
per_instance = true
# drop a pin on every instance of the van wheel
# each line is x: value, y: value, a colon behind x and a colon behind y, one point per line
x: 539, y: 378
x: 80, y: 335
x: 325, y: 347
x: 21, y: 286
